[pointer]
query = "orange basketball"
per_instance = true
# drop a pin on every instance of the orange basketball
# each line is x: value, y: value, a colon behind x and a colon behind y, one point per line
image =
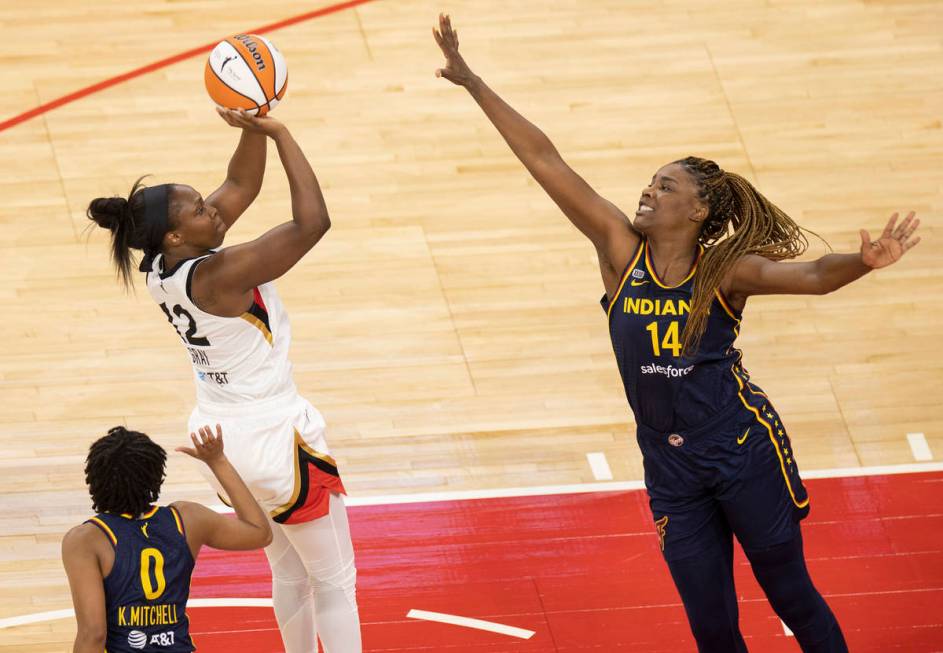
x: 246, y: 72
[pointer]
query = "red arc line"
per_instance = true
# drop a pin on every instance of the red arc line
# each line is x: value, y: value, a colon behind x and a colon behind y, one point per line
x: 163, y: 63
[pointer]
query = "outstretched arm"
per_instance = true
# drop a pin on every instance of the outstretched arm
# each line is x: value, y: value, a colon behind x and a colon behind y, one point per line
x: 249, y: 530
x: 244, y: 176
x: 599, y: 219
x: 755, y: 275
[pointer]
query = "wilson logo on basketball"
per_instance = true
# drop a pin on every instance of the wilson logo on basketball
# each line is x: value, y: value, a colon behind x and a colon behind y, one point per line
x: 253, y: 50
x: 246, y: 72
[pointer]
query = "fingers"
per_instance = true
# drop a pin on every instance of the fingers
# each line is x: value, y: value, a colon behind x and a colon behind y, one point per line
x: 231, y: 116
x: 889, y: 228
x: 865, y: 238
x: 239, y: 118
x: 211, y: 440
x: 909, y: 226
x: 225, y: 114
x: 902, y: 227
x: 911, y: 243
x: 445, y: 35
x: 206, y: 444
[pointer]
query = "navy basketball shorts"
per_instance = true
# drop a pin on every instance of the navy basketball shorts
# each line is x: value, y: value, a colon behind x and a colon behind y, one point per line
x: 737, y: 473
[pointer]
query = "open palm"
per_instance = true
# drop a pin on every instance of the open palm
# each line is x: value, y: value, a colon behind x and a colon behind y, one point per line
x: 892, y: 244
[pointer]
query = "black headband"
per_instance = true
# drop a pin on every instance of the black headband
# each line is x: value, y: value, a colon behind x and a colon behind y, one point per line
x: 156, y: 222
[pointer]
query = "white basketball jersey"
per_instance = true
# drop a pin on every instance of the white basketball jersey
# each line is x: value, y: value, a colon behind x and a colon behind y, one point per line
x: 235, y: 359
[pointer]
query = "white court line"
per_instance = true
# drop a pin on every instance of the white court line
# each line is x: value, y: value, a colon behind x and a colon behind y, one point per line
x: 919, y: 446
x: 599, y: 465
x: 786, y: 629
x: 40, y: 617
x: 468, y: 622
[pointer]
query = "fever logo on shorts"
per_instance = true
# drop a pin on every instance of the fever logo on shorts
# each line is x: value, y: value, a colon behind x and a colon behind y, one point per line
x: 137, y: 639
x: 661, y: 526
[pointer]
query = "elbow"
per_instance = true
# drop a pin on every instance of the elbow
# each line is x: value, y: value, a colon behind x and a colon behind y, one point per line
x: 317, y: 226
x: 823, y: 287
x: 265, y: 537
x: 818, y: 284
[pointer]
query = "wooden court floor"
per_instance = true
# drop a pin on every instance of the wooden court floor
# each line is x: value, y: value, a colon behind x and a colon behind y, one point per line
x: 448, y: 326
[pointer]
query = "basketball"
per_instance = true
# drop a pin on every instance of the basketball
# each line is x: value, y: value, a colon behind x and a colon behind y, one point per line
x: 246, y: 72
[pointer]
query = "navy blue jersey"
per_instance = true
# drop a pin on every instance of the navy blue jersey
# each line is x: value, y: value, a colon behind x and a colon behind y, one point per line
x: 147, y: 589
x: 668, y: 391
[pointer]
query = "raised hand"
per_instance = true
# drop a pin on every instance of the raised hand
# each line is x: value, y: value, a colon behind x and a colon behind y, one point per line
x: 456, y: 70
x: 208, y: 447
x: 239, y: 118
x: 892, y: 244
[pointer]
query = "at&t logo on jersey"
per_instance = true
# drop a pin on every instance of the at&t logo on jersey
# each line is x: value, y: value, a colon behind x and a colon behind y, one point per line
x: 137, y: 639
x: 219, y: 378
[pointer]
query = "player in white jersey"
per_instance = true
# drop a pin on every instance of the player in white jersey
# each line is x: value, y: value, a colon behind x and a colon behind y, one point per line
x: 224, y: 307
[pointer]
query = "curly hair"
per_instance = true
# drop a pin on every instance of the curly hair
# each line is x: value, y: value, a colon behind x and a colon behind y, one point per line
x: 124, y: 471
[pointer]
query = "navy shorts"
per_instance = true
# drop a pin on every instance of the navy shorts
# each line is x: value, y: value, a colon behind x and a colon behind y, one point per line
x: 737, y: 473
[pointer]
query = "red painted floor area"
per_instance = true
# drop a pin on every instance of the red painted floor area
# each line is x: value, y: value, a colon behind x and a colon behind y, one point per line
x: 584, y: 571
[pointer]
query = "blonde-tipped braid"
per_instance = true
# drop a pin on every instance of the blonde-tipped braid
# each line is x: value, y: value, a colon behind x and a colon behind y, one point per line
x: 740, y: 221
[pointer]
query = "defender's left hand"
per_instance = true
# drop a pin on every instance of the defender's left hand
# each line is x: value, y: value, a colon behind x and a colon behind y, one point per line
x: 892, y: 244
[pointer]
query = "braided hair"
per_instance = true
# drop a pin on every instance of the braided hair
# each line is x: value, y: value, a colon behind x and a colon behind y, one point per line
x: 740, y: 221
x: 124, y: 472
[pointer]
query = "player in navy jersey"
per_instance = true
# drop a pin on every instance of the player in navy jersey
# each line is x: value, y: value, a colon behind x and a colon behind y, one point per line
x: 718, y: 462
x: 129, y: 566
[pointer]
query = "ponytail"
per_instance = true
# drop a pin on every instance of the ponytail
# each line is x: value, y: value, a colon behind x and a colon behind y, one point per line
x: 138, y: 222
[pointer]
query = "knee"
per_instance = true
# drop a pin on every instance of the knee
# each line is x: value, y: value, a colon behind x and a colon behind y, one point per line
x: 335, y: 588
x: 784, y: 577
x: 712, y: 634
x: 339, y: 576
x: 707, y: 631
x: 289, y: 576
x: 290, y: 587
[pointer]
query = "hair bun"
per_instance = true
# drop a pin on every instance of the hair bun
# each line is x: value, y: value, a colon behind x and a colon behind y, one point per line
x: 109, y: 212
